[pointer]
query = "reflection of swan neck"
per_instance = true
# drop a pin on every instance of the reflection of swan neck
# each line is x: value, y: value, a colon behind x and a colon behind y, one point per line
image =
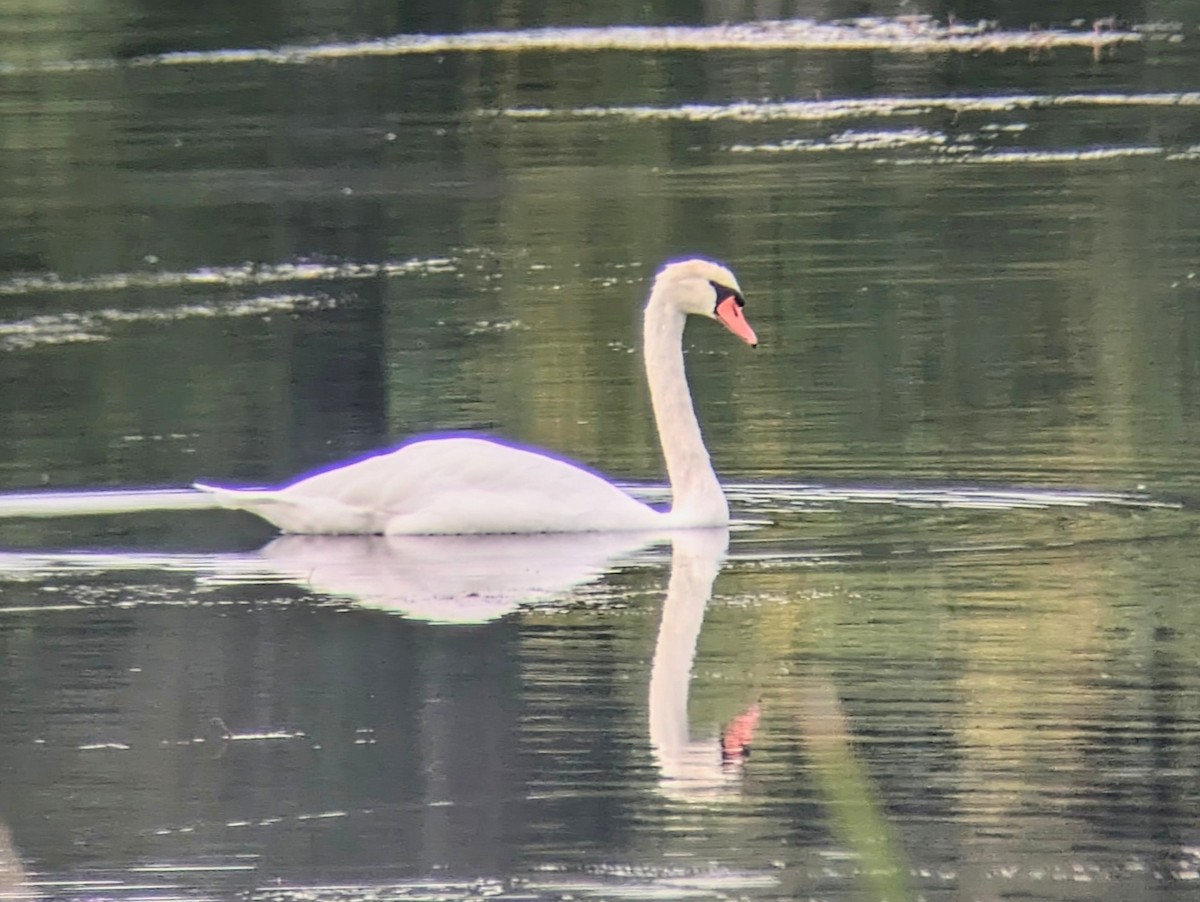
x: 696, y: 493
x: 14, y: 883
x: 695, y: 561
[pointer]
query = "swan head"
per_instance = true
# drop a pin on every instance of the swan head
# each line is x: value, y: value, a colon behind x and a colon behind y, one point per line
x: 704, y: 288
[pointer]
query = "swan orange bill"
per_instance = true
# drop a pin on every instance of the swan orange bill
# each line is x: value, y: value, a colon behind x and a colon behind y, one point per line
x: 729, y: 312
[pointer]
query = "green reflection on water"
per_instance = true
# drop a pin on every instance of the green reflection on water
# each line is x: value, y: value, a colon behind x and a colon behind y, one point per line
x: 1005, y: 321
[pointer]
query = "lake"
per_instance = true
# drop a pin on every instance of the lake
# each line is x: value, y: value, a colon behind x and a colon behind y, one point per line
x: 947, y: 649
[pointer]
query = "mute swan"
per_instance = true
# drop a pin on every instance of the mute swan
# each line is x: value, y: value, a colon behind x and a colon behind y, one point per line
x: 457, y: 485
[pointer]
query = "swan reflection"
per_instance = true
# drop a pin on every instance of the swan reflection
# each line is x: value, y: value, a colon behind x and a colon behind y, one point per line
x: 472, y: 579
x: 707, y: 767
x: 477, y: 579
x: 14, y: 881
x: 449, y: 579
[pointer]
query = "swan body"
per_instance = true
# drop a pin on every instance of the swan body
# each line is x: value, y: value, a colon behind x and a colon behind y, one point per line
x: 467, y: 485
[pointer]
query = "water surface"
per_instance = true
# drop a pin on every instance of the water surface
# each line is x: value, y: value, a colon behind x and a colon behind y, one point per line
x: 952, y: 626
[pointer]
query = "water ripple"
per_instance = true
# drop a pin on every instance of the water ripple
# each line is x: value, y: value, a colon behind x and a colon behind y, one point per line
x: 751, y: 497
x: 799, y: 496
x: 778, y: 524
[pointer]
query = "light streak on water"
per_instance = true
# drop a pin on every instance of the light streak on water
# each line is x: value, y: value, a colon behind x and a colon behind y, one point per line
x: 437, y: 578
x: 73, y: 327
x: 89, y: 325
x: 941, y: 147
x: 849, y: 108
x: 235, y: 275
x: 904, y: 35
x: 1081, y: 155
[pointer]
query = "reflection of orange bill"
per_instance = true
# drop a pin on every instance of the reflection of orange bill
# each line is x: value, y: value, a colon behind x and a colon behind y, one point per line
x: 738, y: 735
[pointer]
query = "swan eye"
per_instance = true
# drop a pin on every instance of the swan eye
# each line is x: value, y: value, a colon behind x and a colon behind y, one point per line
x: 724, y: 292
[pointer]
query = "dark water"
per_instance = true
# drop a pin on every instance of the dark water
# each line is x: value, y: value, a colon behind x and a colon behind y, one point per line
x: 955, y: 622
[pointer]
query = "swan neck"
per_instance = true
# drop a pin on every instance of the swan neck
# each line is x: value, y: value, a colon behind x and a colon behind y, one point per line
x: 697, y: 498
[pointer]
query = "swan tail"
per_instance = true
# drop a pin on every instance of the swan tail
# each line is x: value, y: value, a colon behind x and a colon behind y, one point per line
x: 294, y: 514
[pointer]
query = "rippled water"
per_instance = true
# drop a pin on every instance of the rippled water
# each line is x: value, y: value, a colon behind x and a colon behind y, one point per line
x: 923, y: 712
x: 948, y: 648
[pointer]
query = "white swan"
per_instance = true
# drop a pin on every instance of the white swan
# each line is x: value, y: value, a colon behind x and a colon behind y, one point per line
x: 458, y: 485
